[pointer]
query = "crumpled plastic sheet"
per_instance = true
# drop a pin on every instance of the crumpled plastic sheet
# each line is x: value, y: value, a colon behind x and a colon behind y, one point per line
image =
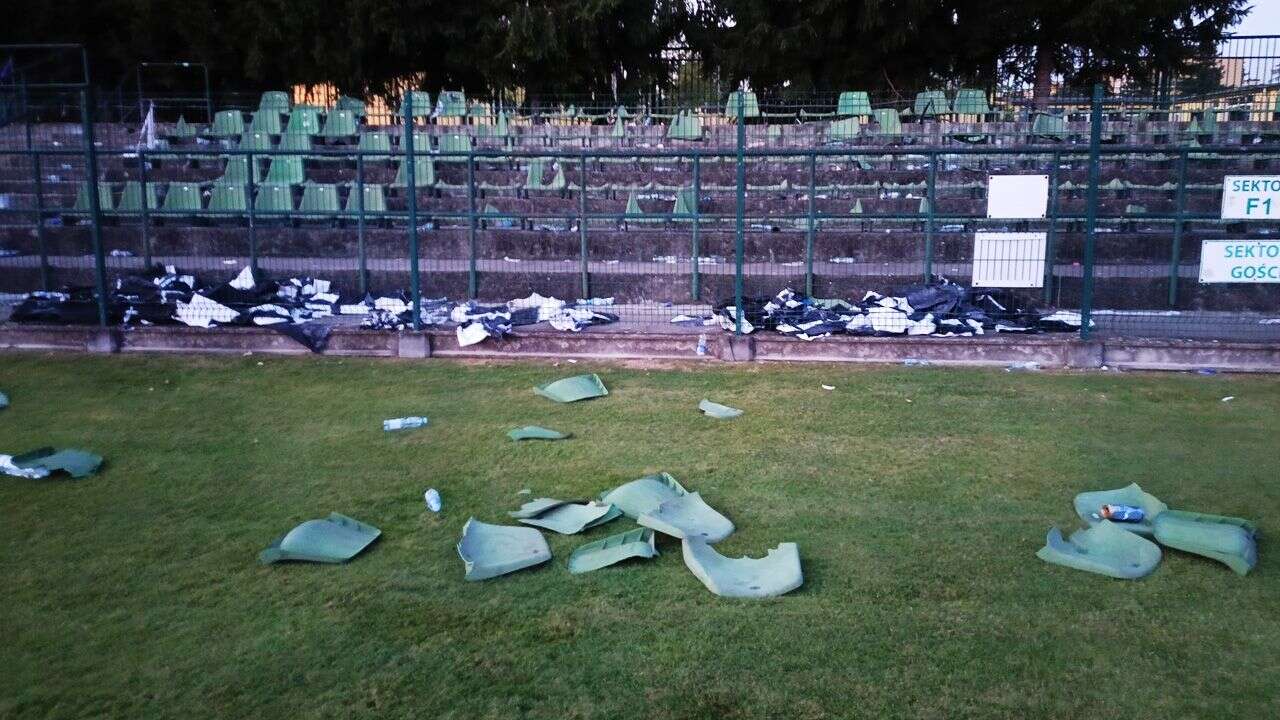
x: 941, y: 309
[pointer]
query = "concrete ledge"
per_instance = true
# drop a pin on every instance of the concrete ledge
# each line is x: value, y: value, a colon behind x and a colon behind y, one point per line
x: 587, y: 344
x: 1047, y: 350
x: 1136, y: 354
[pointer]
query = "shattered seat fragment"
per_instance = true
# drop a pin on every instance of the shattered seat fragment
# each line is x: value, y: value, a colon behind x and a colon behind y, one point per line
x: 488, y: 551
x: 716, y: 410
x: 1104, y: 549
x: 335, y: 539
x: 777, y: 573
x: 663, y: 504
x: 636, y: 543
x: 45, y: 461
x: 565, y: 517
x: 1229, y: 540
x: 533, y: 432
x: 1088, y: 506
x: 573, y: 389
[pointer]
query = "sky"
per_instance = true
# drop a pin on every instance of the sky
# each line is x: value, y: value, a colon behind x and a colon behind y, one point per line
x: 1264, y: 19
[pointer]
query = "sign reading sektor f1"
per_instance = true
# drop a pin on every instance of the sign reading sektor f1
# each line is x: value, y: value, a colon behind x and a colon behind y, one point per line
x: 1251, y: 197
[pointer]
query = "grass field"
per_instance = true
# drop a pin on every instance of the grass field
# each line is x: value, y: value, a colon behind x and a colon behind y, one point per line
x: 918, y: 498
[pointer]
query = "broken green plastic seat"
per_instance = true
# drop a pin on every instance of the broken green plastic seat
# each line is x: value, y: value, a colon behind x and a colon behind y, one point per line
x: 76, y: 463
x: 573, y: 389
x: 533, y: 176
x: 319, y: 201
x: 685, y: 126
x: 1104, y: 549
x: 303, y: 120
x: 488, y: 551
x: 1049, y: 126
x: 533, y: 432
x: 424, y: 173
x: 377, y: 141
x: 228, y: 199
x: 635, y: 213
x: 887, y: 122
x: 647, y: 493
x: 131, y: 198
x: 420, y: 101
x: 970, y: 101
x: 227, y: 124
x: 182, y: 198
x: 237, y: 171
x: 716, y: 410
x: 931, y: 103
x: 273, y: 199
x: 349, y: 104
x: 454, y: 143
x: 660, y: 502
x: 255, y: 141
x: 853, y: 102
x: 375, y: 201
x: 847, y: 129
x: 335, y: 539
x: 341, y: 124
x: 686, y: 204
x: 267, y: 121
x: 1229, y: 540
x: 1088, y: 506
x: 750, y: 105
x: 274, y: 100
x: 636, y: 543
x: 777, y: 573
x: 565, y: 517
x: 451, y: 103
x: 106, y: 201
x: 286, y: 170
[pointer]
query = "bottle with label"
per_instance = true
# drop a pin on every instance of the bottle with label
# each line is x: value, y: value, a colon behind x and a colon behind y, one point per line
x: 404, y: 423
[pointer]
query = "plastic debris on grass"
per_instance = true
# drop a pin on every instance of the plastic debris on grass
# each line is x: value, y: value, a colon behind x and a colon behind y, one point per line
x: 1104, y: 549
x: 1229, y: 540
x: 565, y: 517
x: 45, y: 461
x: 663, y: 504
x: 637, y: 543
x: 716, y: 410
x: 4, y: 401
x: 573, y: 389
x: 777, y: 573
x: 334, y: 539
x: 533, y: 432
x: 488, y: 551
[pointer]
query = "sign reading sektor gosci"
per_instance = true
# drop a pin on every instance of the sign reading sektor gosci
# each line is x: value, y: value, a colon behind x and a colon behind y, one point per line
x: 1244, y: 197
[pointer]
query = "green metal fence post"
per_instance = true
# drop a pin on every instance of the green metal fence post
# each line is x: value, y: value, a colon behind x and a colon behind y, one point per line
x: 740, y: 209
x: 696, y: 272
x: 1091, y: 211
x: 1175, y: 253
x: 582, y: 224
x: 146, y: 210
x: 45, y: 275
x: 360, y: 247
x: 473, y: 279
x: 411, y: 183
x: 253, y: 215
x: 95, y: 207
x: 808, y: 240
x: 1050, y: 249
x: 931, y: 199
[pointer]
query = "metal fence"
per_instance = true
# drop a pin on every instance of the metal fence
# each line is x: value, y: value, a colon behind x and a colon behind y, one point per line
x: 667, y: 210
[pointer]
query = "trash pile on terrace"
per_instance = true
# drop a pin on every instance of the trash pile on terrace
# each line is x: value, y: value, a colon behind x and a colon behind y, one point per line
x: 941, y: 309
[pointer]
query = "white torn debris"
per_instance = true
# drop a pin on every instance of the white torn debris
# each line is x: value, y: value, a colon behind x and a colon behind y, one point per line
x: 8, y: 468
x: 202, y: 312
x: 244, y: 281
x: 471, y: 333
x: 548, y: 307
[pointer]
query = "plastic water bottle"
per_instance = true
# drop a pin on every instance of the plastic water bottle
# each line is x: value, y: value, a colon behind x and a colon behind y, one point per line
x: 1123, y: 513
x: 432, y: 498
x: 404, y: 423
x: 702, y: 344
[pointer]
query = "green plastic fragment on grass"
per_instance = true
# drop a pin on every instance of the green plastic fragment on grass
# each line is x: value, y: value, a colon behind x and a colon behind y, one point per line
x: 663, y: 504
x: 76, y: 463
x: 1088, y: 506
x: 565, y: 517
x: 777, y: 573
x: 716, y: 410
x: 636, y: 543
x: 4, y: 401
x: 640, y: 496
x: 533, y: 432
x: 573, y: 389
x: 488, y: 551
x: 334, y: 539
x: 1231, y: 541
x: 1105, y: 549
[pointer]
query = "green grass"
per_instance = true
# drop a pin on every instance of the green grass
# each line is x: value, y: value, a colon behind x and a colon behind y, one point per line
x: 918, y: 498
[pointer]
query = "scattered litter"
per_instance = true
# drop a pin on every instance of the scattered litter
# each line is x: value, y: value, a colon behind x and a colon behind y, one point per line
x: 1024, y: 366
x: 1088, y: 506
x: 1229, y: 540
x: 525, y: 491
x: 533, y: 432
x: 565, y: 517
x: 45, y: 461
x: 702, y: 345
x: 777, y: 573
x: 595, y: 301
x: 828, y: 387
x: 1206, y: 371
x: 662, y: 503
x: 716, y: 410
x: 1229, y: 398
x: 916, y: 362
x: 571, y: 361
x: 404, y: 423
x: 118, y: 253
x: 4, y: 401
x: 335, y: 539
x: 572, y: 389
x: 8, y: 468
x: 1122, y: 513
x: 1105, y: 549
x: 488, y: 551
x: 637, y: 543
x: 432, y: 498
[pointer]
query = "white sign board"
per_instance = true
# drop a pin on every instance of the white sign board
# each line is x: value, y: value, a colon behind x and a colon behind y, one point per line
x: 1008, y: 260
x: 1251, y: 197
x: 1017, y: 196
x: 1240, y: 261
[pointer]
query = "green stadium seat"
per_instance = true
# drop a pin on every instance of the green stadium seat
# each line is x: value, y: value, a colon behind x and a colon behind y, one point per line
x: 750, y: 105
x: 971, y: 102
x: 1050, y: 127
x: 685, y: 126
x: 227, y: 200
x: 634, y: 209
x: 619, y: 128
x: 295, y: 143
x: 931, y: 103
x: 375, y: 201
x: 846, y: 129
x: 421, y: 103
x: 686, y: 204
x: 353, y: 105
x: 106, y: 202
x: 256, y: 141
x: 237, y: 171
x: 182, y: 130
x: 266, y: 121
x: 853, y: 103
x: 1203, y: 123
x: 286, y: 170
x: 888, y: 123
x: 857, y: 207
x: 304, y: 120
x: 422, y: 143
x: 377, y: 141
x: 319, y: 202
x: 273, y: 199
x: 131, y: 198
x: 227, y: 124
x: 454, y: 143
x: 451, y: 103
x: 533, y: 176
x: 277, y: 100
x: 424, y: 173
x: 182, y: 198
x: 340, y: 124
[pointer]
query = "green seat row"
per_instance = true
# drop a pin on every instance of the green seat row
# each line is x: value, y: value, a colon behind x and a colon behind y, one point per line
x: 181, y: 198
